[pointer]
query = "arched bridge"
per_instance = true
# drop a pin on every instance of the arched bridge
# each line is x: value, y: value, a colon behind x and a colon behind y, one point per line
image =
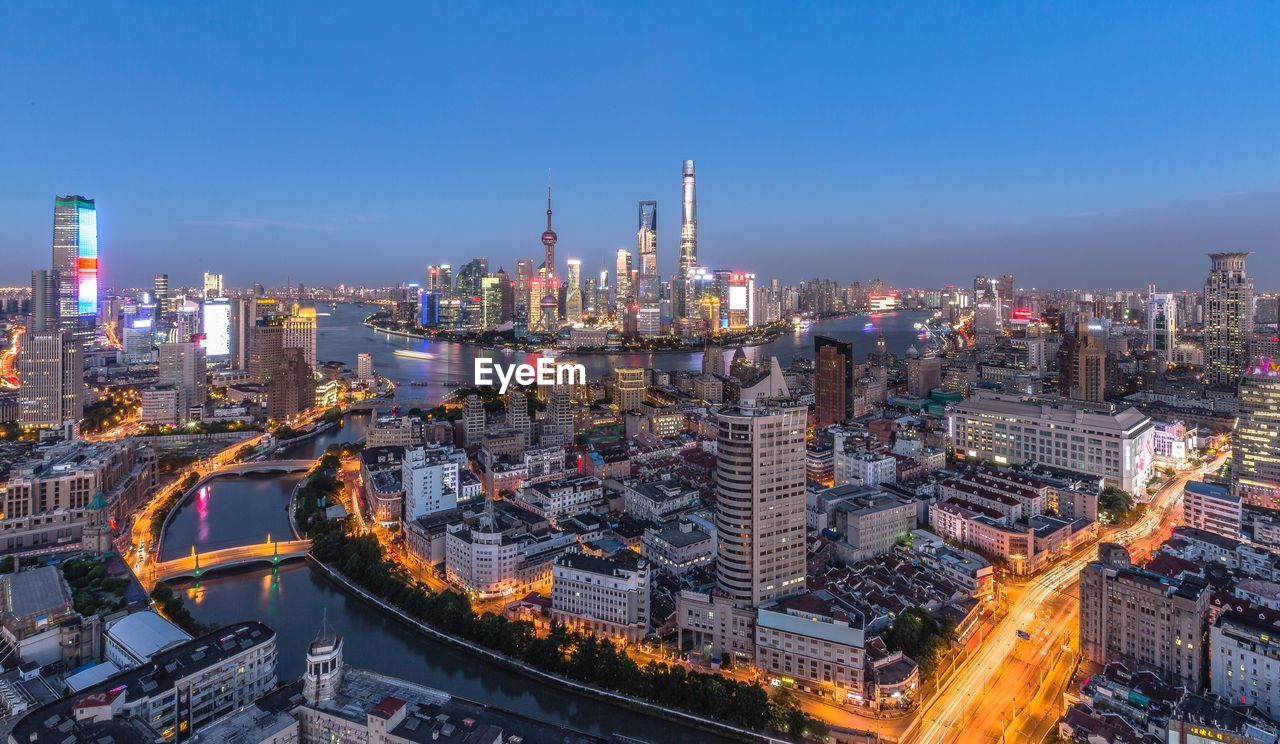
x: 198, y: 564
x: 263, y: 466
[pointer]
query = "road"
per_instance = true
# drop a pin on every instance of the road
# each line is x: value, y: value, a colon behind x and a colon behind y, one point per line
x: 987, y: 699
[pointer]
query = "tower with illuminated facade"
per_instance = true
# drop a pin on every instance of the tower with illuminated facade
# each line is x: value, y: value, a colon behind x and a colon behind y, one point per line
x: 684, y: 305
x: 1255, y: 440
x: 75, y: 259
x: 1228, y: 318
x: 544, y: 300
x: 648, y: 294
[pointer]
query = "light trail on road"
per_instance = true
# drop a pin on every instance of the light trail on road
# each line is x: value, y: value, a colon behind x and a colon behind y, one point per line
x: 948, y: 716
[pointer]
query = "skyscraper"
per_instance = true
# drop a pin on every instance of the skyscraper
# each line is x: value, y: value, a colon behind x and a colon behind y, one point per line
x: 300, y: 333
x: 684, y: 306
x: 75, y: 259
x: 1255, y: 440
x: 160, y: 292
x: 1228, y: 318
x: 212, y: 285
x: 1089, y: 365
x: 833, y: 377
x: 45, y: 309
x: 183, y: 366
x: 924, y: 373
x: 51, y: 369
x: 1162, y: 324
x: 760, y: 500
x: 292, y: 387
x: 524, y: 273
x: 622, y: 279
x: 573, y: 292
x: 648, y: 294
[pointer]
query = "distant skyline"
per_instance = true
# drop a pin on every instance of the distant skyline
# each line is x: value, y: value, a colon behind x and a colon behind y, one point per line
x: 1082, y: 145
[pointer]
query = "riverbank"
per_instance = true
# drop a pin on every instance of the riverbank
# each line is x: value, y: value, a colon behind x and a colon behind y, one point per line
x: 651, y: 709
x: 734, y: 342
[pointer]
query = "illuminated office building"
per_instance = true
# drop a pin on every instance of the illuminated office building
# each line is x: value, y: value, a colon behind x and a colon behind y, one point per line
x: 51, y: 369
x: 737, y: 303
x: 649, y: 293
x: 160, y: 293
x: 760, y: 500
x: 684, y: 306
x: 573, y: 292
x: 300, y: 333
x: 212, y: 285
x: 1228, y: 318
x: 75, y: 260
x: 216, y: 327
x: 1255, y: 440
x: 1162, y: 325
x: 622, y: 279
x: 182, y: 366
x: 833, y: 377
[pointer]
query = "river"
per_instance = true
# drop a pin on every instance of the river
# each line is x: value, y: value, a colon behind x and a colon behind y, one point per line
x: 293, y: 598
x: 342, y: 335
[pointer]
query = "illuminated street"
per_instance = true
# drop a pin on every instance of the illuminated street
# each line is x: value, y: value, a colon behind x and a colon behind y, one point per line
x: 1006, y: 666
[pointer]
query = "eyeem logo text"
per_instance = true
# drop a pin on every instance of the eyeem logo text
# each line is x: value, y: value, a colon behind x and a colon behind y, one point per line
x: 545, y: 372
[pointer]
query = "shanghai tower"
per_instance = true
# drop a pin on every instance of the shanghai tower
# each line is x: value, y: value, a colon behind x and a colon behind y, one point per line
x: 684, y: 304
x: 688, y: 220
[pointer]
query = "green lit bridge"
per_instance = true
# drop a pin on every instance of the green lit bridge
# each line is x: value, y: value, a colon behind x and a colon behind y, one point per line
x: 198, y: 564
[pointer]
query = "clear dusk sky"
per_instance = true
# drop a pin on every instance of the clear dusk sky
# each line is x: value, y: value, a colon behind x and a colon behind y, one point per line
x: 1091, y: 144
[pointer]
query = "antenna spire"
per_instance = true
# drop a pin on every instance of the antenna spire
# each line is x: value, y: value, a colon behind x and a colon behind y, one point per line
x: 548, y: 198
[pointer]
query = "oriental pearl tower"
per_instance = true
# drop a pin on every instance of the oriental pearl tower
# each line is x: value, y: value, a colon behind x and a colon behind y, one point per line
x: 549, y: 303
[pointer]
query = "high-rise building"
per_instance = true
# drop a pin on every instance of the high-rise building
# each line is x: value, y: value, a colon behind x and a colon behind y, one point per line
x: 629, y: 388
x: 183, y: 366
x: 292, y: 386
x: 215, y: 324
x: 1255, y: 440
x: 506, y: 297
x: 622, y: 279
x: 924, y: 373
x: 1145, y: 620
x: 557, y: 425
x: 760, y: 500
x: 685, y: 307
x: 364, y: 366
x: 833, y: 377
x: 736, y: 308
x: 266, y: 340
x: 713, y: 360
x: 212, y: 285
x: 51, y: 370
x: 573, y: 292
x: 300, y: 333
x: 1162, y: 324
x: 1089, y: 361
x: 160, y: 293
x: 1228, y: 318
x: 75, y: 260
x: 1005, y: 286
x: 649, y: 291
x: 524, y: 274
x: 518, y: 415
x: 473, y: 421
x: 45, y: 311
x: 440, y: 279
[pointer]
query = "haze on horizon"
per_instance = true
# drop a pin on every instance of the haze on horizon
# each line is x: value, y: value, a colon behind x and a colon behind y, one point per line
x: 1094, y: 146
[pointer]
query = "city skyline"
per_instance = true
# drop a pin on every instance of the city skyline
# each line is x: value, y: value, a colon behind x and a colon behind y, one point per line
x: 837, y: 154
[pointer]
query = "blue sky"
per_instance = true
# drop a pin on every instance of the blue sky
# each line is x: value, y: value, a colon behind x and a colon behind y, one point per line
x: 1098, y: 144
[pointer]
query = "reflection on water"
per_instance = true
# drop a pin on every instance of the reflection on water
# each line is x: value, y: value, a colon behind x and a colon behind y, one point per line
x: 230, y: 511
